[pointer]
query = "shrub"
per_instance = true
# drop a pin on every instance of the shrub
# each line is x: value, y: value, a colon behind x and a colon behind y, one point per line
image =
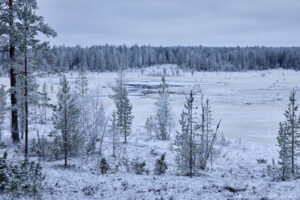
x: 104, y: 167
x: 160, y: 165
x: 261, y: 161
x: 19, y: 178
x: 138, y: 167
x: 3, y: 172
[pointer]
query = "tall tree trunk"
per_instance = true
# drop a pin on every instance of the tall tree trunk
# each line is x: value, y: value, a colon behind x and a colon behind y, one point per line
x: 26, y: 102
x: 65, y: 134
x: 113, y: 146
x: 14, y: 111
x: 191, y: 141
x: 65, y: 149
x: 293, y: 120
x: 125, y: 131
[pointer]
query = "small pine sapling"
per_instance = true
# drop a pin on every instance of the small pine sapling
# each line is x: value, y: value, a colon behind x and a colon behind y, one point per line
x: 160, y: 165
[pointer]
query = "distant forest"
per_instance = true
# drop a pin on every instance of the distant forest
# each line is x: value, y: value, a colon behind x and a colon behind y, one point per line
x: 198, y: 58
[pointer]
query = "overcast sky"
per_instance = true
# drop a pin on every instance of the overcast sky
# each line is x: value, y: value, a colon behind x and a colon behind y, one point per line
x: 174, y: 22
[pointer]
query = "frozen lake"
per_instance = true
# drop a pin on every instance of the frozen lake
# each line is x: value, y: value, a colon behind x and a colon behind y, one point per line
x: 250, y: 104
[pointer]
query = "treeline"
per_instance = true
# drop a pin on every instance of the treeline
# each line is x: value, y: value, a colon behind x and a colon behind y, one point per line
x: 110, y: 58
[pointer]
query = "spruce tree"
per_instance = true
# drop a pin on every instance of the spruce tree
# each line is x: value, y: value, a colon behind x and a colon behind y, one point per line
x: 66, y: 118
x: 3, y: 108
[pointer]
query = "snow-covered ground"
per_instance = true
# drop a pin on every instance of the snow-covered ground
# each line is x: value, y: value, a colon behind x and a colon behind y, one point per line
x: 250, y: 104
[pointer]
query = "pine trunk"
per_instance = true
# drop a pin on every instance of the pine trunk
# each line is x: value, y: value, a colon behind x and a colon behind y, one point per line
x: 14, y: 111
x: 293, y: 120
x: 191, y: 142
x: 125, y: 132
x: 65, y: 134
x: 26, y: 105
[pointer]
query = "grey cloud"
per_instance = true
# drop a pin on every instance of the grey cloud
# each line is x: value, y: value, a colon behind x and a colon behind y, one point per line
x: 174, y: 22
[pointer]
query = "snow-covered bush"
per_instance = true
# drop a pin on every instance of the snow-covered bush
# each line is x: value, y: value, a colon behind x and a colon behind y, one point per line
x: 150, y: 126
x: 138, y: 167
x: 90, y: 190
x: 55, y: 147
x: 261, y: 161
x: 272, y: 170
x: 104, y: 167
x: 3, y: 172
x: 39, y: 147
x: 160, y: 165
x: 223, y: 141
x: 19, y: 178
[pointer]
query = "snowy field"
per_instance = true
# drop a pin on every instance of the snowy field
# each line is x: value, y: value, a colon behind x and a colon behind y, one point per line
x: 250, y: 105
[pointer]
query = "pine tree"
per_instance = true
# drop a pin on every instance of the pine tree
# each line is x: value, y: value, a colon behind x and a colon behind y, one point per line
x: 114, y: 133
x: 19, y: 29
x: 195, y: 142
x: 81, y: 83
x: 81, y: 86
x: 8, y: 34
x: 293, y: 127
x: 28, y: 50
x: 207, y: 134
x: 163, y: 114
x: 124, y: 108
x: 185, y: 140
x: 285, y: 156
x: 66, y: 118
x: 289, y: 138
x: 127, y: 116
x: 3, y: 108
x: 44, y: 103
